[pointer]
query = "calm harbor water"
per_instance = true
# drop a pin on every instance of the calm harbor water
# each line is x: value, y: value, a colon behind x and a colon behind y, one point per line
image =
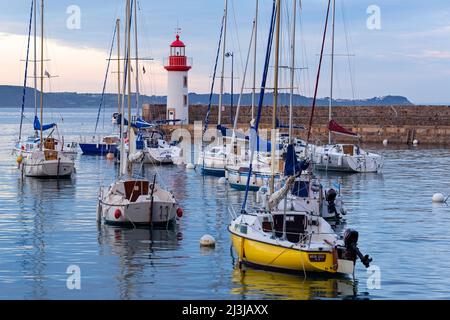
x: 47, y: 226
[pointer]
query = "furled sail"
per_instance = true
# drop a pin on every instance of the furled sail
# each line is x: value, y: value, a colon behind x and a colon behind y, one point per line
x: 45, y: 127
x: 333, y: 126
x: 142, y: 124
x: 292, y: 168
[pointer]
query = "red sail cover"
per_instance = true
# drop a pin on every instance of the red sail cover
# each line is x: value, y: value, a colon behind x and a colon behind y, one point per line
x: 333, y: 126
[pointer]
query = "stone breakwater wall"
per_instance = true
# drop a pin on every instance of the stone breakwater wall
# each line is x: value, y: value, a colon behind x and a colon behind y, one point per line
x: 430, y: 125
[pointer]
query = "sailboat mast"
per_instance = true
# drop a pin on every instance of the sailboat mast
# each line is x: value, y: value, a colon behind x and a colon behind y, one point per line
x: 119, y: 100
x: 35, y: 60
x: 129, y: 17
x: 222, y: 76
x: 291, y: 99
x: 275, y: 96
x: 137, y: 58
x: 255, y: 52
x: 332, y: 68
x: 42, y: 74
x: 129, y: 66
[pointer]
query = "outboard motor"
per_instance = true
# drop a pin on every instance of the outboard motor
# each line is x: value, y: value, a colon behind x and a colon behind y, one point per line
x: 330, y: 196
x: 351, y: 243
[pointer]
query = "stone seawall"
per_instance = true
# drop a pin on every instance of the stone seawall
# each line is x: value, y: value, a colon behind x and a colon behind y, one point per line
x: 398, y: 124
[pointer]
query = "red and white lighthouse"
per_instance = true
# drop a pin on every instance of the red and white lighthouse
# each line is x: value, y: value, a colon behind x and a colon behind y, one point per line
x: 178, y: 66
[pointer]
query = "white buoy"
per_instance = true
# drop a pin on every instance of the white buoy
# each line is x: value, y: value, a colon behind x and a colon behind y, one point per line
x: 207, y: 241
x: 438, y: 197
x: 385, y: 142
x: 190, y: 166
x: 415, y: 142
x: 222, y: 180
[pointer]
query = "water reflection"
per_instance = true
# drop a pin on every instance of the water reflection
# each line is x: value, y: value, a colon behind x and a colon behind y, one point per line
x: 46, y: 225
x: 250, y: 283
x: 140, y: 255
x: 37, y: 202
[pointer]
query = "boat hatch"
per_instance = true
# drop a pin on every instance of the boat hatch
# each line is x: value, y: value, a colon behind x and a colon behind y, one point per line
x: 348, y: 149
x: 51, y: 155
x: 135, y: 189
x: 295, y: 226
x: 50, y: 143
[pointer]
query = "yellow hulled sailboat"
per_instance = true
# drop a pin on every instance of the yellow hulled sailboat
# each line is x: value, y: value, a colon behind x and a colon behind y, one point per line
x: 289, y: 240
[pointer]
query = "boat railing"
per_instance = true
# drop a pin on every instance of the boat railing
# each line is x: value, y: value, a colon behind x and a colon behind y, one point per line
x: 232, y: 212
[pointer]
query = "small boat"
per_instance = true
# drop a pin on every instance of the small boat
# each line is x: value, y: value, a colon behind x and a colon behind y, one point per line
x: 48, y: 158
x: 213, y: 161
x: 341, y: 157
x: 345, y: 158
x: 237, y: 175
x: 130, y: 201
x: 260, y: 177
x: 153, y: 149
x: 108, y: 144
x: 26, y: 147
x: 294, y: 241
x: 137, y: 202
x: 48, y: 164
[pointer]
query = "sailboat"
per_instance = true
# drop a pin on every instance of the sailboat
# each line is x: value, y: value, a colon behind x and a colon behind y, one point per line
x: 286, y: 240
x: 99, y: 145
x: 307, y: 193
x: 47, y: 161
x: 129, y: 201
x: 342, y: 157
x: 214, y: 158
x: 150, y: 146
x: 237, y: 172
x: 24, y: 146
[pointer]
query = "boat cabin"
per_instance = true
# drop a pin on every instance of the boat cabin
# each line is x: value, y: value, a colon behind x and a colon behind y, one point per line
x: 135, y: 188
x: 50, y: 143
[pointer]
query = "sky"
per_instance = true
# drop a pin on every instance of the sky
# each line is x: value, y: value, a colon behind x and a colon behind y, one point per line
x: 403, y: 50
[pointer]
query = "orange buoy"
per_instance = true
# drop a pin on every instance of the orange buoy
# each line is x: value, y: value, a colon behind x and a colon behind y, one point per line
x: 110, y: 156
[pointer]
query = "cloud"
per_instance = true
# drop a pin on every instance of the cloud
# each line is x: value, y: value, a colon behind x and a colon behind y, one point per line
x: 79, y: 68
x: 430, y: 54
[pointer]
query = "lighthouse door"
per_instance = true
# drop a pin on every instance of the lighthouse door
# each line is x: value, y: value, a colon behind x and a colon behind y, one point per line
x: 171, y: 115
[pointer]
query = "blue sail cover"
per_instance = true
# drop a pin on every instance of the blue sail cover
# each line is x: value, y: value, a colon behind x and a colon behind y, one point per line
x: 259, y: 144
x: 45, y: 127
x: 292, y: 166
x: 142, y: 124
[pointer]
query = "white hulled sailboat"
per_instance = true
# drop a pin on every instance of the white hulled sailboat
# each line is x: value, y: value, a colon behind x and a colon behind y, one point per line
x: 130, y: 201
x: 342, y: 157
x: 46, y: 161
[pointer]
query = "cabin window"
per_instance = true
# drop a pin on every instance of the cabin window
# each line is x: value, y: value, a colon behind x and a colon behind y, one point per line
x: 301, y: 189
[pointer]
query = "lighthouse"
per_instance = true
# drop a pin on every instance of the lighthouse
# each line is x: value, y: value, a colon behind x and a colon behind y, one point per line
x: 178, y: 66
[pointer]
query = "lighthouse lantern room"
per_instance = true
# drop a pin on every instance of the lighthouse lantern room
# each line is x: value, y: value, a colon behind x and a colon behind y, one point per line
x: 178, y: 66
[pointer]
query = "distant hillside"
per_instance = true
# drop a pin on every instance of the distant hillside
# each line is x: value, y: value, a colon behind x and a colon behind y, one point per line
x: 11, y: 96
